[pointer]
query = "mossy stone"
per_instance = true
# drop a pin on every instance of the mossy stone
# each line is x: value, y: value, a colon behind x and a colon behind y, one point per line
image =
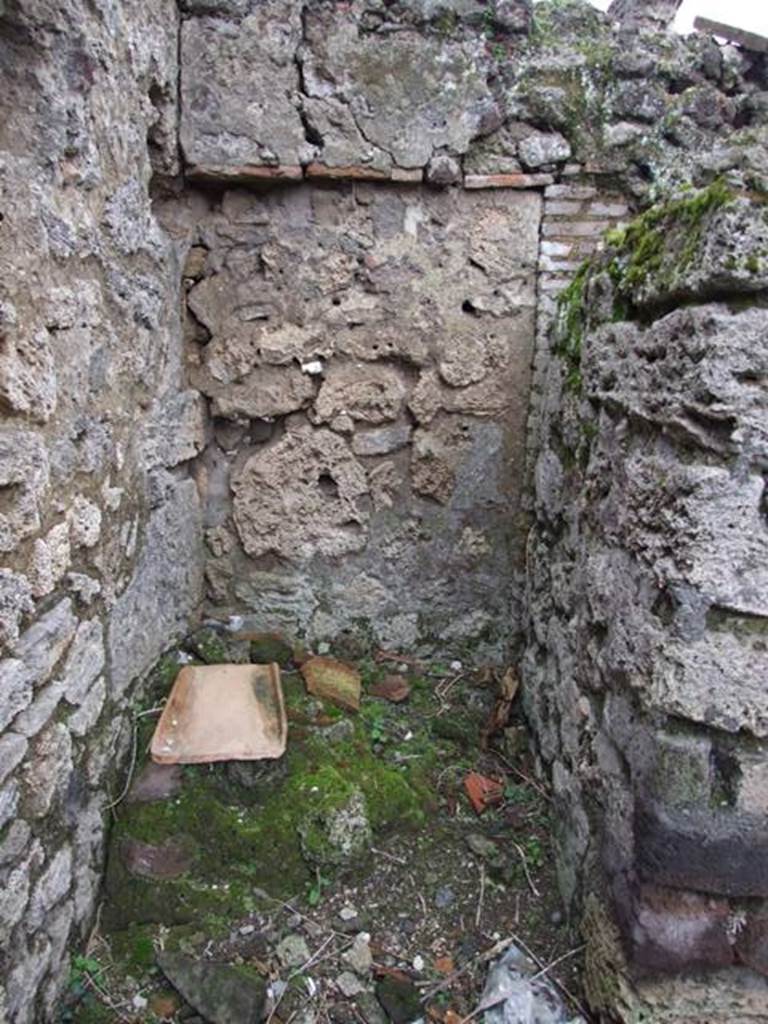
x: 271, y: 648
x: 221, y: 993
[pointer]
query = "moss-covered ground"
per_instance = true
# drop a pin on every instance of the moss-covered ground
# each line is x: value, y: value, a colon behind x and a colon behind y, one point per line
x: 436, y: 887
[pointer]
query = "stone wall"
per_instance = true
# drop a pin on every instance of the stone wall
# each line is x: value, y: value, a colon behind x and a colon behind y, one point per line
x: 99, y: 523
x: 366, y: 352
x: 645, y: 668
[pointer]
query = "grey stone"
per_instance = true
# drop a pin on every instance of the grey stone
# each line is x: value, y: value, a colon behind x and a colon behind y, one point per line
x: 9, y: 801
x: 14, y: 841
x: 51, y: 887
x: 349, y: 984
x: 45, y: 775
x: 443, y: 169
x: 16, y: 693
x: 15, y: 602
x: 293, y: 951
x: 370, y: 1009
x: 232, y: 114
x: 15, y: 891
x: 164, y: 591
x: 359, y: 956
x: 51, y: 556
x: 41, y: 646
x: 540, y: 149
x: 13, y: 747
x: 442, y: 85
x: 654, y: 15
x: 337, y: 835
x: 444, y: 897
x: 24, y: 978
x: 176, y: 430
x: 24, y: 472
x: 86, y: 716
x: 85, y: 660
x: 381, y: 441
x: 41, y: 710
x: 219, y: 992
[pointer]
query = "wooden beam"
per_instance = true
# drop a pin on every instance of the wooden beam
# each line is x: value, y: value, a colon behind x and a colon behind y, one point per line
x: 749, y: 40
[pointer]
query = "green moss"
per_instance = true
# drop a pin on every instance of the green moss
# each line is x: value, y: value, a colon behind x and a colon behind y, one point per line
x: 643, y: 249
x: 244, y: 838
x: 570, y: 325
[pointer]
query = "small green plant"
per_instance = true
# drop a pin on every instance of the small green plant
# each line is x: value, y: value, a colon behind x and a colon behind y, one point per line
x: 378, y: 729
x: 518, y: 794
x: 81, y: 970
x: 533, y: 851
x: 316, y: 889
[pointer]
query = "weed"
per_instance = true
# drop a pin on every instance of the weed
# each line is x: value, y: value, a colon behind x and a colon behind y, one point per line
x: 316, y: 889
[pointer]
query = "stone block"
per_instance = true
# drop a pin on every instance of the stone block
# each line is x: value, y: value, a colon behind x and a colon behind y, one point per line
x: 15, y: 689
x: 85, y: 522
x: 360, y: 86
x: 176, y: 429
x: 239, y: 90
x: 9, y: 801
x: 13, y: 747
x: 15, y: 602
x: 479, y: 181
x: 723, y: 854
x: 24, y: 478
x: 52, y: 886
x: 159, y: 602
x: 14, y: 841
x: 41, y: 710
x: 46, y: 772
x: 679, y: 931
x: 50, y: 559
x: 41, y: 646
x: 328, y: 480
x: 381, y: 440
x: 86, y: 716
x: 14, y: 894
x: 84, y: 662
x: 542, y: 148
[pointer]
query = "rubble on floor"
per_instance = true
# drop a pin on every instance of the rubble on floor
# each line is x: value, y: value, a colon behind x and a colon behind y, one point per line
x: 350, y: 881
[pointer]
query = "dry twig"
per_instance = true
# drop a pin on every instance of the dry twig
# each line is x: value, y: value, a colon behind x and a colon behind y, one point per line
x: 528, y: 878
x: 480, y: 898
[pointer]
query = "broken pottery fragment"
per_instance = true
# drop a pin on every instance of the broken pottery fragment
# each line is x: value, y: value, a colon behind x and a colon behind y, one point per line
x: 334, y: 681
x: 482, y: 791
x: 222, y: 713
x: 392, y: 688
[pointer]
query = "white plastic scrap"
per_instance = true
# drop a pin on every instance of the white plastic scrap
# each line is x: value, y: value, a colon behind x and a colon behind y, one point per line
x: 516, y: 993
x: 313, y: 368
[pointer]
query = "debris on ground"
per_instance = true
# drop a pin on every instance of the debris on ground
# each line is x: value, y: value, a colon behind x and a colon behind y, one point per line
x: 517, y: 992
x: 483, y: 792
x: 350, y: 880
x: 334, y: 681
x: 497, y: 720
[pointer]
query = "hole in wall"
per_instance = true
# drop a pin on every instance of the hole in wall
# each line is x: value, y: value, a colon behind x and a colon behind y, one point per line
x: 328, y: 485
